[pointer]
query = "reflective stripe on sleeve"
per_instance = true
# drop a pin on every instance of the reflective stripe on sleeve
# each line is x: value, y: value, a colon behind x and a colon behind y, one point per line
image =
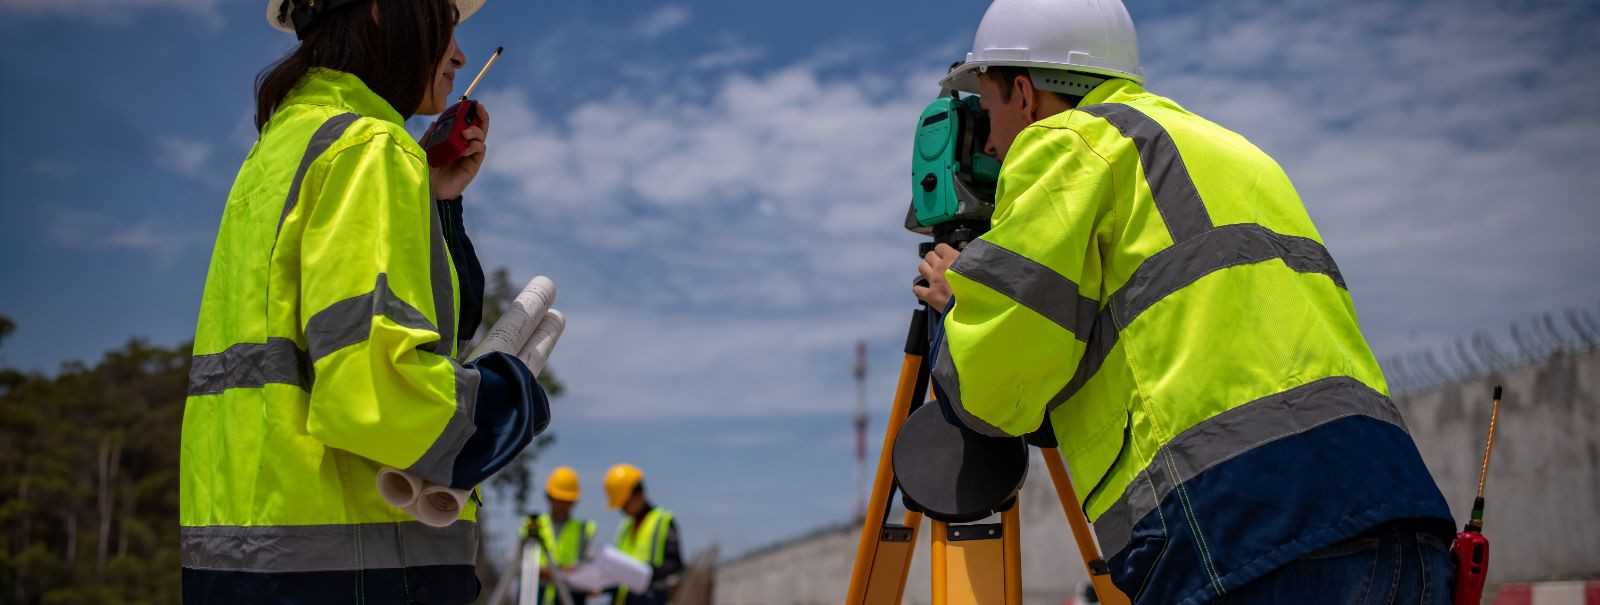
x: 324, y: 137
x: 299, y: 548
x: 349, y: 321
x: 250, y: 365
x: 1030, y: 283
x: 1175, y: 194
x: 438, y: 463
x: 1234, y: 432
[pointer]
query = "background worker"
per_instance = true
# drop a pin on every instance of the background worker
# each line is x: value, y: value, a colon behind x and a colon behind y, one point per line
x: 1154, y: 297
x: 567, y: 541
x: 326, y: 345
x: 648, y: 534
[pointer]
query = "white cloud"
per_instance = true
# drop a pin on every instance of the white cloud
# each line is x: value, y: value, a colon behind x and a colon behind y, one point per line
x: 91, y: 230
x: 746, y: 227
x: 662, y: 21
x: 184, y: 156
x: 722, y: 233
x: 116, y: 11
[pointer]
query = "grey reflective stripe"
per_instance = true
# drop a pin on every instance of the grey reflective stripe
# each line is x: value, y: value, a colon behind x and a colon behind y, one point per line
x: 1234, y: 432
x: 1030, y: 283
x: 1175, y: 194
x: 349, y: 321
x: 250, y: 365
x: 438, y: 463
x: 1102, y: 338
x: 1172, y: 269
x: 324, y: 137
x: 299, y: 548
x: 944, y: 371
x: 658, y: 538
x: 439, y: 273
x: 1231, y: 245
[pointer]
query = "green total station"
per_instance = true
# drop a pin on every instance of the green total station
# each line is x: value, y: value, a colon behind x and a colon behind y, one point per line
x: 953, y: 180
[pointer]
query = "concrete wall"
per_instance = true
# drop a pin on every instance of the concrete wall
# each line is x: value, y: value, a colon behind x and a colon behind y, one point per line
x: 1543, y: 494
x: 1542, y: 518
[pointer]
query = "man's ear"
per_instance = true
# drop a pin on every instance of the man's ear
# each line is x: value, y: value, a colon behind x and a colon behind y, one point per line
x: 1023, y: 86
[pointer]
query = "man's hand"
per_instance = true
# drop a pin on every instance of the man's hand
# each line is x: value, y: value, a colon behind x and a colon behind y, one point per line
x: 451, y: 179
x: 937, y: 292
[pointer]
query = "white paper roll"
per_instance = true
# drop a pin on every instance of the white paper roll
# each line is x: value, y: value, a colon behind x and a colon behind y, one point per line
x: 398, y: 488
x: 516, y: 326
x: 537, y: 351
x: 439, y: 506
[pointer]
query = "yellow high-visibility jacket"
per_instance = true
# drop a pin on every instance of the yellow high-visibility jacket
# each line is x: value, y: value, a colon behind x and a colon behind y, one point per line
x: 1153, y: 285
x: 565, y: 548
x: 325, y: 350
x: 654, y: 542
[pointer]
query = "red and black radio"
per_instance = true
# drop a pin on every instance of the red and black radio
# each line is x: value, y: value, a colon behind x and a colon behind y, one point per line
x: 445, y: 141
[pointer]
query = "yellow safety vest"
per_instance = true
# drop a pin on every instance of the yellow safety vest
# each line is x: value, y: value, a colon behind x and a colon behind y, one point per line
x: 566, y: 548
x: 325, y: 350
x: 1153, y: 283
x: 647, y: 544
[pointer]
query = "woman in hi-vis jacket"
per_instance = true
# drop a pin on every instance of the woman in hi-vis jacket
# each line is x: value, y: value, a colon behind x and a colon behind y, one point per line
x: 340, y: 288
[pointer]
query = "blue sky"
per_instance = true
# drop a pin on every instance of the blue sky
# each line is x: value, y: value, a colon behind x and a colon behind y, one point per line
x: 718, y: 187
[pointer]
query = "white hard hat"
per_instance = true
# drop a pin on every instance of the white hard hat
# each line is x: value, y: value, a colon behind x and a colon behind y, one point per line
x: 280, y: 16
x: 1084, y: 36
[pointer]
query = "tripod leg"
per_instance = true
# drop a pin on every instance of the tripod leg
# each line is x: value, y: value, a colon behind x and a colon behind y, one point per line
x: 883, y: 556
x: 1099, y: 574
x: 1011, y: 528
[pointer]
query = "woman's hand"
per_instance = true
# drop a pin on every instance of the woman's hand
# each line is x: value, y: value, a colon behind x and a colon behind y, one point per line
x: 451, y: 179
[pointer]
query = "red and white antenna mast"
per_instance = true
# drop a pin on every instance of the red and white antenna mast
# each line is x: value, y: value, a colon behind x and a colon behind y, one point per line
x: 861, y: 428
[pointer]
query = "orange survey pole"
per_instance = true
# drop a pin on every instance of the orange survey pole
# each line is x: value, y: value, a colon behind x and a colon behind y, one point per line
x: 1099, y: 575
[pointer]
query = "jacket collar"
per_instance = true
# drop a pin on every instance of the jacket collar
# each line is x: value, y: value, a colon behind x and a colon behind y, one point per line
x: 337, y: 89
x: 1114, y: 90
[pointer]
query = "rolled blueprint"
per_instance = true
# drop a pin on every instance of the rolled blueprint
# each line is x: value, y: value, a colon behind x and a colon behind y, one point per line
x: 529, y: 330
x: 430, y: 503
x: 439, y: 506
x: 516, y: 326
x: 398, y: 488
x: 537, y: 351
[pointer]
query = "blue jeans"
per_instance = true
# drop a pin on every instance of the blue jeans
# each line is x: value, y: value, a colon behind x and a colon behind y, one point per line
x: 1395, y: 563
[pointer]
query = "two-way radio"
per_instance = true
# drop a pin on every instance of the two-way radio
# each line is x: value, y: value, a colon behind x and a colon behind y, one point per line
x: 1471, y: 549
x: 445, y: 141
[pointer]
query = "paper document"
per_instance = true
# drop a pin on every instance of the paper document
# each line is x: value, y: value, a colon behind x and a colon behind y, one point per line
x: 610, y: 568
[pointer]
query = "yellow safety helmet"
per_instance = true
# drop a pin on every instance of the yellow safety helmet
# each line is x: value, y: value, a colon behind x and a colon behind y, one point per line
x: 620, y: 481
x: 563, y: 484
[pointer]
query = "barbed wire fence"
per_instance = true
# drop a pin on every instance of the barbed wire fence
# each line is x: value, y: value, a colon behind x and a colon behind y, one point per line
x: 1531, y: 341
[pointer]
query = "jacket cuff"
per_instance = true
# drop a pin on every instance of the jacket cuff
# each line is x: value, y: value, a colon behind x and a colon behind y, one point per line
x: 511, y: 409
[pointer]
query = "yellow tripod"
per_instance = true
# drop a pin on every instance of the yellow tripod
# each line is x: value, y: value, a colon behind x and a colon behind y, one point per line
x: 972, y: 564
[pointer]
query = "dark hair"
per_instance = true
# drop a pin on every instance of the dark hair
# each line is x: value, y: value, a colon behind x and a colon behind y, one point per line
x: 396, y: 59
x: 1004, y: 75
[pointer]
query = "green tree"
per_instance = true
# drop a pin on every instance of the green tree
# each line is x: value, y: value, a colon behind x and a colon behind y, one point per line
x: 90, y: 498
